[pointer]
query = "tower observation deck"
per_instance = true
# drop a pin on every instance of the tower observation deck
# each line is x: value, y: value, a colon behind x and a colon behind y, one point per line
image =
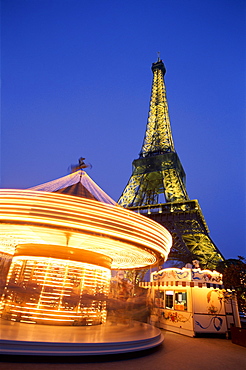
x: 157, y: 185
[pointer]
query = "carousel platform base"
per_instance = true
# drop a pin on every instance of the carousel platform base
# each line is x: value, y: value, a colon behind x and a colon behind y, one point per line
x: 46, y: 340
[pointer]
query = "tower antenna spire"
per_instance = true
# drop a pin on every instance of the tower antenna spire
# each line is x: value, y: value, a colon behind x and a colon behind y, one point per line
x: 158, y: 56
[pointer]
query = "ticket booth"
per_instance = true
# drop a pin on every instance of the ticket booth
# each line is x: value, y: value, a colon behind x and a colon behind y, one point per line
x: 191, y: 302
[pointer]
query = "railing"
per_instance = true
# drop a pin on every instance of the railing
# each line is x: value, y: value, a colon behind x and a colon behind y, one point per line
x: 184, y: 206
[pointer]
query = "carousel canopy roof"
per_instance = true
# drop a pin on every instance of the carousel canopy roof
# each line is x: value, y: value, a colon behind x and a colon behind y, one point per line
x: 78, y: 184
x: 46, y: 219
x: 73, y: 212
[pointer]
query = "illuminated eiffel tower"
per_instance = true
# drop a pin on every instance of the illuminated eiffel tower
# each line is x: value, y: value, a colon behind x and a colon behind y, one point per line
x: 157, y: 187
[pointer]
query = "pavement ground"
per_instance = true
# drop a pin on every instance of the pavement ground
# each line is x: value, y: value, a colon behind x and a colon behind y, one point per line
x: 176, y: 352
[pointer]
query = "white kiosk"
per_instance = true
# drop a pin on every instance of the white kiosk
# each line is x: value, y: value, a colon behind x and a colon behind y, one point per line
x: 191, y: 301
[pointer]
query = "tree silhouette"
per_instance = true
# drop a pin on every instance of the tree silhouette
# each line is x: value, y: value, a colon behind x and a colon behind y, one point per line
x: 234, y: 277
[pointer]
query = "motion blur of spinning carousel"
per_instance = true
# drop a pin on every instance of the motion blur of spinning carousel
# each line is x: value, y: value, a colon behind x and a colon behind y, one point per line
x: 59, y: 242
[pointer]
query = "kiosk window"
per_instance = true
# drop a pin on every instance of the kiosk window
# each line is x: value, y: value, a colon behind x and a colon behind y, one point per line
x: 169, y: 299
x: 180, y: 302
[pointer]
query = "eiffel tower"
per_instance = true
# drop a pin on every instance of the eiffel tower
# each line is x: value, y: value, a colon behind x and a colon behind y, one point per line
x: 157, y: 186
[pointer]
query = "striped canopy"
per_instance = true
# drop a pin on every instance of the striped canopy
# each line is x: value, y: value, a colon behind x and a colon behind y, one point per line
x: 78, y: 184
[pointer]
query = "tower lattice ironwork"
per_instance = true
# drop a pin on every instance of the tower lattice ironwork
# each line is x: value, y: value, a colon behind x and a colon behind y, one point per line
x: 157, y: 186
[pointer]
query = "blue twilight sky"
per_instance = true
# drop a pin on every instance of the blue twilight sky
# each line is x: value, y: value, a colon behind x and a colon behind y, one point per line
x: 76, y: 80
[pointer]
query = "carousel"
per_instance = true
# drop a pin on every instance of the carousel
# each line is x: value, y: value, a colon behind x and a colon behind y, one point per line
x: 59, y: 243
